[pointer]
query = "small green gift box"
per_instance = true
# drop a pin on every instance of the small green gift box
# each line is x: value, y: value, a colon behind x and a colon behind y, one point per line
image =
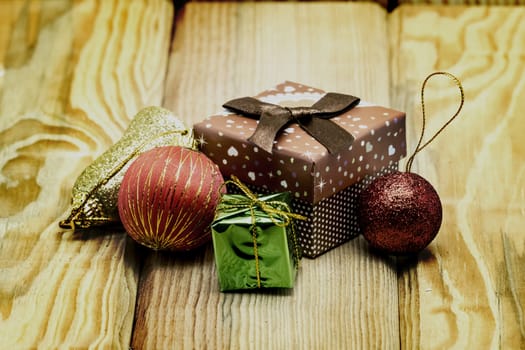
x: 254, y: 241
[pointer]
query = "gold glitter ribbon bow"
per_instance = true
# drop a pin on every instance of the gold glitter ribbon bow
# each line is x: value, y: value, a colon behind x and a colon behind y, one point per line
x: 279, y: 213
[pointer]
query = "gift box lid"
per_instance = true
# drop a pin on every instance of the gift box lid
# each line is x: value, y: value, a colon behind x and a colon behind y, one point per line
x: 298, y: 162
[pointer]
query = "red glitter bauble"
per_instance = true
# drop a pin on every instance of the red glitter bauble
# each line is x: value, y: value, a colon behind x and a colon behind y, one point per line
x: 400, y: 213
x: 168, y: 197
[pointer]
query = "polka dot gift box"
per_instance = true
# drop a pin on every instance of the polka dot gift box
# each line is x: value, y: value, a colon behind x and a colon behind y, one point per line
x: 325, y: 167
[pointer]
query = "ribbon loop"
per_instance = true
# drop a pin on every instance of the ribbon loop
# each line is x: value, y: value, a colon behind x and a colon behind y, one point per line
x: 333, y: 103
x: 314, y: 120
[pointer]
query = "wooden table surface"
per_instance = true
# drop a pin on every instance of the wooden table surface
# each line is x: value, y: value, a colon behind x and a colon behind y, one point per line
x: 73, y: 74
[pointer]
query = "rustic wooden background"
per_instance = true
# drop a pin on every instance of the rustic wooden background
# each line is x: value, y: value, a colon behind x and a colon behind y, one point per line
x: 388, y: 4
x: 73, y: 73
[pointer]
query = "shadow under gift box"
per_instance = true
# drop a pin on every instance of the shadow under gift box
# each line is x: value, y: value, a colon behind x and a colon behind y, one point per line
x: 325, y: 187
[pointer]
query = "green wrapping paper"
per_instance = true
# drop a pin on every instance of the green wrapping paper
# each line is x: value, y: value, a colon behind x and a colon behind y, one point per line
x: 254, y: 242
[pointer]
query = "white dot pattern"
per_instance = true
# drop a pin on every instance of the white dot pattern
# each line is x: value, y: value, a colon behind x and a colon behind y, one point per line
x: 332, y: 221
x: 301, y: 165
x: 298, y: 162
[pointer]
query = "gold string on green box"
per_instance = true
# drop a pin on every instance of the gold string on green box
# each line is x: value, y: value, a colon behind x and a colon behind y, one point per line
x: 242, y: 214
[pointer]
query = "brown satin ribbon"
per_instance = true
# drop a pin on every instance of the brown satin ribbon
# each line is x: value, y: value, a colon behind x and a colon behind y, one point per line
x: 314, y: 120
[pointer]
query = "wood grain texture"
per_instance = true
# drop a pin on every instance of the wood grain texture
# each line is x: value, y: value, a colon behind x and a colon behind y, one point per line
x: 346, y: 299
x: 468, y: 289
x: 72, y: 74
x: 393, y: 3
x: 382, y: 2
x: 223, y: 50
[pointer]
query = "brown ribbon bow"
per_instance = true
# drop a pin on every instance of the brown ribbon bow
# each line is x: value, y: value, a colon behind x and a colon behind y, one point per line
x: 314, y: 120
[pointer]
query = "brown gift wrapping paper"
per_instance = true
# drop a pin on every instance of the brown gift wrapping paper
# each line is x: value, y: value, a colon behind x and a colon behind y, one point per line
x: 324, y: 186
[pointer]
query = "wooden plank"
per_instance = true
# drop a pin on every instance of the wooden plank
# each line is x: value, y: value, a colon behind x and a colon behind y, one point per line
x: 384, y: 3
x: 346, y: 298
x: 468, y: 290
x: 69, y: 86
x: 458, y: 2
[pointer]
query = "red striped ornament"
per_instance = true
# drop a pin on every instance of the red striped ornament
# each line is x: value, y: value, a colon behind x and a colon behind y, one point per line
x: 168, y: 197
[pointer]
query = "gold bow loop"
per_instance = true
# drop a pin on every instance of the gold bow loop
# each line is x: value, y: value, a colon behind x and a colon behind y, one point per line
x: 279, y: 212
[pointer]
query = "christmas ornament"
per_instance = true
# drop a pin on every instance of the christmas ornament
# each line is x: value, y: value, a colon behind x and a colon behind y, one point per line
x: 400, y: 213
x: 168, y: 198
x: 95, y: 192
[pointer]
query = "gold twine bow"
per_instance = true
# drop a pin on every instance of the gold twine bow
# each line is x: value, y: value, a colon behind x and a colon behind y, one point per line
x: 279, y: 213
